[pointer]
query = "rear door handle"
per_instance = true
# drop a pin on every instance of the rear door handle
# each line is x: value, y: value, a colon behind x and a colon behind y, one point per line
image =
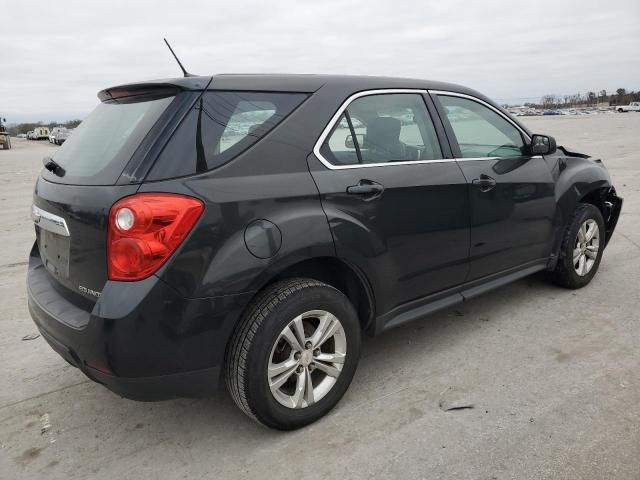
x: 366, y: 188
x: 484, y: 183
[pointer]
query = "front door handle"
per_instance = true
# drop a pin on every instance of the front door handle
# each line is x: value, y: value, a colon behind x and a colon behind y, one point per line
x: 484, y: 183
x: 366, y: 188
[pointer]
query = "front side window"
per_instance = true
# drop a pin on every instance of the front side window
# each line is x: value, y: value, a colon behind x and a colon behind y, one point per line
x: 383, y: 128
x: 480, y: 131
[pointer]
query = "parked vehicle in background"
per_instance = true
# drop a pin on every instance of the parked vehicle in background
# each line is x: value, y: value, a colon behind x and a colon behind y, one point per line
x: 41, y: 133
x: 632, y: 107
x: 52, y: 134
x: 5, y: 139
x: 30, y: 135
x: 61, y: 136
x: 21, y: 135
x: 247, y: 229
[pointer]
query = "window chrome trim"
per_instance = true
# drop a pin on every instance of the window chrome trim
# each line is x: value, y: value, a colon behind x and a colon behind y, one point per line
x: 49, y: 221
x: 474, y: 159
x: 366, y: 93
x: 482, y: 102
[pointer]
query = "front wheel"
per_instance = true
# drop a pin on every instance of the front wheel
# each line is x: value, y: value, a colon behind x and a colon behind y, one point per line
x: 294, y: 355
x: 581, y: 249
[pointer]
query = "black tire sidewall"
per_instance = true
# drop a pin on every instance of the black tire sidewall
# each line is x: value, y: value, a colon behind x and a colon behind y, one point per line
x: 586, y: 212
x: 265, y: 407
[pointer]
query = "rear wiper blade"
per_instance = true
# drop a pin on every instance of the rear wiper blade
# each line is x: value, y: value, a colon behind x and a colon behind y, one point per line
x: 53, y: 166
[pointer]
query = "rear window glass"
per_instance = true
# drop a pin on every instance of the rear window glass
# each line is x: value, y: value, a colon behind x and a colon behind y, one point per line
x: 219, y: 127
x: 100, y: 147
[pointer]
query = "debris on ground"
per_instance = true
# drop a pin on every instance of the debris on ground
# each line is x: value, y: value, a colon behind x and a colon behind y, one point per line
x: 452, y: 399
x: 45, y: 428
x: 450, y: 406
x: 31, y: 336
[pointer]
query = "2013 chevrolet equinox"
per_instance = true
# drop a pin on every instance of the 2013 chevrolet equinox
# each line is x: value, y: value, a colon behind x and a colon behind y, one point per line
x: 251, y: 227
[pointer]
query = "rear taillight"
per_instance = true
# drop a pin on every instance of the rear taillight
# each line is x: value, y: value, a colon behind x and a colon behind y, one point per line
x: 145, y: 229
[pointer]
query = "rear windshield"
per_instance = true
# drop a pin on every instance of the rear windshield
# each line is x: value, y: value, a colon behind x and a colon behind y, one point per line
x: 219, y: 127
x: 99, y: 149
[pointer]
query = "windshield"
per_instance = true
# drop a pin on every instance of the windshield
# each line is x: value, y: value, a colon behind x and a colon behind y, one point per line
x: 104, y: 142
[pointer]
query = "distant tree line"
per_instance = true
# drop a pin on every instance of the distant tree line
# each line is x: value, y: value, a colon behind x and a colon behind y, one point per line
x: 620, y: 97
x: 25, y: 127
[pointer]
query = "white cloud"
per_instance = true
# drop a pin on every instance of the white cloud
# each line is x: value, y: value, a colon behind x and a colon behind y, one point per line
x: 54, y: 58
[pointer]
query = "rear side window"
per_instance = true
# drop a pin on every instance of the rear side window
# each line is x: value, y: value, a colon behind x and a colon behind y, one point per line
x: 383, y: 128
x: 219, y: 127
x: 101, y: 146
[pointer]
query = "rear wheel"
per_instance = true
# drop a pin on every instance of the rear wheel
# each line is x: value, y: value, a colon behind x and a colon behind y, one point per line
x: 294, y: 355
x: 581, y: 249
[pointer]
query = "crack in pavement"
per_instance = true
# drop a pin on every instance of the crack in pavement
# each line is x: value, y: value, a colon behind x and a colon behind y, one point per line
x: 13, y: 404
x: 629, y: 239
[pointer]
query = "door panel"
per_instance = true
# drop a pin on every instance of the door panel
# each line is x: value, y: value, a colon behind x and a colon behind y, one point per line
x: 511, y: 223
x: 511, y: 193
x: 412, y: 239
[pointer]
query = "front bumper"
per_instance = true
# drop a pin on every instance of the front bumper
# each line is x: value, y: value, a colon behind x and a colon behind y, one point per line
x: 141, y: 340
x: 612, y: 209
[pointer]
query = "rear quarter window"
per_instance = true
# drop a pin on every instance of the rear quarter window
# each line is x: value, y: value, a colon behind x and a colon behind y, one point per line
x: 220, y: 126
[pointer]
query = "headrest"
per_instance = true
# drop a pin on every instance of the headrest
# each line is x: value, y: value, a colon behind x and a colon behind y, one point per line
x: 383, y: 132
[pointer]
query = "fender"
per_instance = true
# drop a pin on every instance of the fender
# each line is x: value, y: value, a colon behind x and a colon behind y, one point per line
x: 579, y: 178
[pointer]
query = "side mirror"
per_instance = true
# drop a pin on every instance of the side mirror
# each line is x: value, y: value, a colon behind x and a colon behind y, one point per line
x: 349, y: 143
x: 542, y: 145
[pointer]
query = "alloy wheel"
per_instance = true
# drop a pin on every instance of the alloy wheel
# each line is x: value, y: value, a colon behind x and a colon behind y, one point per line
x: 307, y: 359
x: 585, y: 250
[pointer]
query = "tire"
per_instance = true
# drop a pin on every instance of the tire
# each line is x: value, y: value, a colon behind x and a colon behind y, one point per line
x: 566, y: 273
x: 259, y: 339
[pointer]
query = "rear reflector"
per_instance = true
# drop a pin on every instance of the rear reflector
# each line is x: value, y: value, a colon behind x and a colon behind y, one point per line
x: 144, y: 231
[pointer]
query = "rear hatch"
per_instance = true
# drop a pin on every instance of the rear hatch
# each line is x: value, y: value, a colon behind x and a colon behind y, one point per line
x: 83, y: 180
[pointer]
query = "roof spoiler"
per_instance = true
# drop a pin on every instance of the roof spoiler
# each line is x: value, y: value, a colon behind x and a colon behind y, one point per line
x: 137, y: 92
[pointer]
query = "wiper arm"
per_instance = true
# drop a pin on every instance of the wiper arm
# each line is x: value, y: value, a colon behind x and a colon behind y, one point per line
x: 53, y: 166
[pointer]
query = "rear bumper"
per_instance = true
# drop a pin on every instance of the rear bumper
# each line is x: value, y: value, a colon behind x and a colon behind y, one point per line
x: 141, y: 339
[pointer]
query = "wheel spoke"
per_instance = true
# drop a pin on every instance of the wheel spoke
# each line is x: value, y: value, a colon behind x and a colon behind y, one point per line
x: 298, y: 329
x: 326, y: 329
x: 576, y: 255
x: 276, y: 369
x: 278, y: 380
x: 298, y: 395
x: 308, y: 389
x: 581, y: 233
x: 592, y: 230
x: 331, y: 357
x: 290, y: 337
x: 591, y: 252
x: 328, y: 369
x: 323, y: 319
x: 582, y: 265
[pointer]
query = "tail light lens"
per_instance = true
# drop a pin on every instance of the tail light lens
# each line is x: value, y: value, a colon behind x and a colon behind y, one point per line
x: 144, y: 231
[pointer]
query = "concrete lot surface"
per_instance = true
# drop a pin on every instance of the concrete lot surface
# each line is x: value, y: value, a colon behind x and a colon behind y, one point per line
x: 553, y: 376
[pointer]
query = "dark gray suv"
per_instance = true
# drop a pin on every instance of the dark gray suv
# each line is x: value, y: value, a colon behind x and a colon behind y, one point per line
x: 251, y: 229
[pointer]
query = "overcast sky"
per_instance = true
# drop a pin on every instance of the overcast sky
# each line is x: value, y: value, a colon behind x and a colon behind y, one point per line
x: 56, y: 55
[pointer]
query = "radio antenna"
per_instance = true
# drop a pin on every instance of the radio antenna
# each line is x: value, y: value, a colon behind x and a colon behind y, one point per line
x: 186, y: 74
